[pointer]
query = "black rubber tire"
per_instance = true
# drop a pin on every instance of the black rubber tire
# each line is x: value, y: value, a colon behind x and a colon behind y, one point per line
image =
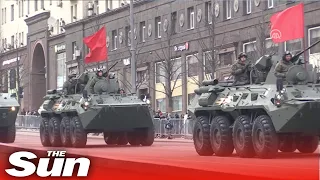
x: 134, y: 138
x: 44, y: 132
x: 54, y: 132
x: 122, y: 139
x: 110, y: 138
x: 9, y: 134
x: 287, y: 143
x: 201, y: 136
x: 307, y: 144
x: 147, y: 136
x: 242, y: 140
x: 65, y: 132
x: 221, y: 136
x: 264, y: 137
x: 77, y: 134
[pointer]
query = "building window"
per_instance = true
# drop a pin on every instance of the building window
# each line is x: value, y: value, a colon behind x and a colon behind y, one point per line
x: 22, y: 8
x: 75, y: 16
x: 161, y: 104
x: 141, y: 76
x: 142, y: 31
x: 190, y: 18
x: 61, y: 69
x: 5, y: 15
x: 177, y: 103
x: 190, y: 98
x: 228, y: 8
x: 22, y: 38
x: 208, y: 12
x: 294, y: 46
x: 226, y: 58
x: 250, y: 49
x: 12, y: 41
x: 270, y: 3
x: 108, y: 4
x: 158, y: 26
x: 173, y: 22
x: 271, y: 48
x: 160, y: 73
x: 19, y: 8
x: 71, y: 12
x: 193, y: 65
x: 176, y: 70
x: 249, y: 6
x: 208, y: 62
x: 314, y: 52
x: 128, y: 32
x: 12, y: 12
x: 114, y: 39
x: 50, y: 2
x: 42, y: 4
x: 35, y: 5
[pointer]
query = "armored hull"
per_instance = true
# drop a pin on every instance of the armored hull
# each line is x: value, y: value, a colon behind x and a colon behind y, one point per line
x: 122, y: 118
x: 258, y: 119
x: 9, y: 108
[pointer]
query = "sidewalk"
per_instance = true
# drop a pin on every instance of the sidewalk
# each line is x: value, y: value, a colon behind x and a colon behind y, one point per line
x: 36, y: 133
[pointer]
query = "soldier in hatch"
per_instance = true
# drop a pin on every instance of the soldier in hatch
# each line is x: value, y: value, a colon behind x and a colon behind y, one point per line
x: 99, y: 76
x: 282, y: 68
x: 69, y: 85
x: 241, y: 70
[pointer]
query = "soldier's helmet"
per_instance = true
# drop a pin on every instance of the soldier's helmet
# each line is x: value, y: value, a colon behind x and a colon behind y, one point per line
x: 242, y: 54
x: 98, y: 71
x: 285, y: 54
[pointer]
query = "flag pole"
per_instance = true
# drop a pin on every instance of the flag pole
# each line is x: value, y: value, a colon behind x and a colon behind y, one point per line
x: 133, y: 51
x: 304, y: 42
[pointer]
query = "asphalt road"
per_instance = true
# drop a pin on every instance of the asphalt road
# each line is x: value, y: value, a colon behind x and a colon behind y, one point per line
x: 182, y: 154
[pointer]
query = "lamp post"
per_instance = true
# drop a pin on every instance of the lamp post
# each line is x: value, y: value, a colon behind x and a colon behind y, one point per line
x: 132, y: 50
x: 18, y: 72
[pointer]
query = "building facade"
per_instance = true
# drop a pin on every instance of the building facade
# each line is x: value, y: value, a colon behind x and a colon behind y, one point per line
x: 177, y: 45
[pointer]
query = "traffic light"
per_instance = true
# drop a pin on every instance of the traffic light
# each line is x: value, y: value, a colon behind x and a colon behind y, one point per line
x: 13, y: 79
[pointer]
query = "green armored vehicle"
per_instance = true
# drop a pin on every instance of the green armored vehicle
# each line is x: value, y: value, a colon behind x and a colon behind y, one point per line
x: 256, y: 119
x: 121, y: 117
x: 9, y: 108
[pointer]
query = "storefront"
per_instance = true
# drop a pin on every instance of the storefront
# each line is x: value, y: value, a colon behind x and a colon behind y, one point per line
x: 61, y: 64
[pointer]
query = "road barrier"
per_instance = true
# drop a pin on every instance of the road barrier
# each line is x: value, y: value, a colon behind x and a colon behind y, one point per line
x: 180, y: 128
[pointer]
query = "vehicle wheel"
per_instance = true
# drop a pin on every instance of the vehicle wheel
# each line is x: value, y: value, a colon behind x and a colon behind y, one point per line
x: 307, y: 144
x: 264, y: 137
x: 242, y: 140
x: 110, y: 138
x: 147, y: 136
x: 65, y: 131
x: 221, y: 136
x: 54, y: 131
x: 287, y: 143
x: 201, y: 136
x: 9, y: 134
x: 77, y: 134
x: 122, y: 139
x: 44, y: 132
x: 134, y: 138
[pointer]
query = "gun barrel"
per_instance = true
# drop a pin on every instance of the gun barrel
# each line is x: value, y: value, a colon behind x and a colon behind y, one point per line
x: 203, y: 89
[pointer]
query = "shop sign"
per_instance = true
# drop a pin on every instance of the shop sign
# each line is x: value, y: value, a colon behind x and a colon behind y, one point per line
x: 181, y: 47
x: 60, y: 47
x: 6, y: 62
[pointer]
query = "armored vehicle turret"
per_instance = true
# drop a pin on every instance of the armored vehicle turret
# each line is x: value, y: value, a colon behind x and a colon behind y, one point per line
x: 9, y: 108
x: 256, y: 119
x: 105, y: 108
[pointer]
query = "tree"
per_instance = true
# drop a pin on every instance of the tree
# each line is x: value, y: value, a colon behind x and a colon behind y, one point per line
x: 168, y: 69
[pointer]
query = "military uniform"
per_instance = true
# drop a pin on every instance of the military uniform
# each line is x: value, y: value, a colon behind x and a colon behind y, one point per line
x: 241, y: 71
x: 94, y: 80
x: 69, y: 85
x: 281, y: 70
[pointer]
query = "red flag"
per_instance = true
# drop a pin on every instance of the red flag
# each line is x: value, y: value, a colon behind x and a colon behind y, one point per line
x: 98, y: 46
x: 288, y: 24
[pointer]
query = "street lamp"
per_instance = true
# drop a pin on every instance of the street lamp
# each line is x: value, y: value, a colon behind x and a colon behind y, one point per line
x: 18, y: 72
x: 132, y: 50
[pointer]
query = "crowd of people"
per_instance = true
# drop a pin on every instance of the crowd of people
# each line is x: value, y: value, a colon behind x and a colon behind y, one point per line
x: 24, y: 112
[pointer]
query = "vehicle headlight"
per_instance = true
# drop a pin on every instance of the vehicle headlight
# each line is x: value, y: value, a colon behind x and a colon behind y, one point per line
x: 13, y: 108
x: 86, y: 103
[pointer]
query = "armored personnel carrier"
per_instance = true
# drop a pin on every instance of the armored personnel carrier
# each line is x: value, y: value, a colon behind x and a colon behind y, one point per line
x: 121, y: 117
x: 256, y: 119
x: 9, y: 110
